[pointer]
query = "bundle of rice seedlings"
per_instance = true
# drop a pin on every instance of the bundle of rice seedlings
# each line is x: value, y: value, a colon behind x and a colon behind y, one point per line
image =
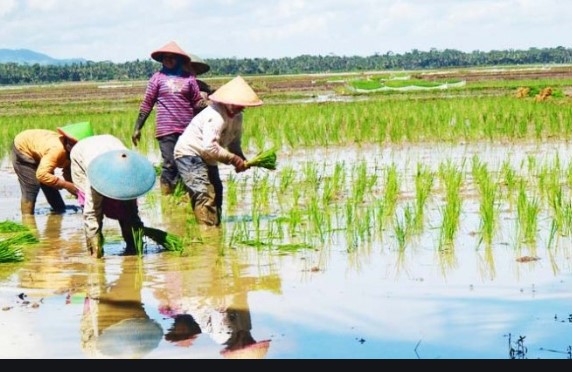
x: 170, y: 242
x: 11, y: 226
x: 11, y: 246
x: 264, y: 159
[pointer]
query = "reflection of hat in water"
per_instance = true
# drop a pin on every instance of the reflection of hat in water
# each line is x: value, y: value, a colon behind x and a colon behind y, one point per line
x: 77, y: 131
x: 257, y: 350
x: 121, y: 174
x: 236, y: 92
x: 199, y: 65
x: 170, y: 47
x: 129, y: 338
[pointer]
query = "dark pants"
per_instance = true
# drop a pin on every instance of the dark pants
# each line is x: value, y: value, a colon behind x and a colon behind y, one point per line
x: 169, y: 173
x: 30, y: 187
x: 205, y: 188
x: 127, y: 213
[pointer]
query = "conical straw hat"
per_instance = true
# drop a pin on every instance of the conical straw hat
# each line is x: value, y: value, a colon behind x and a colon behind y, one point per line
x: 199, y: 65
x: 77, y: 131
x: 171, y: 47
x: 121, y: 174
x: 236, y: 92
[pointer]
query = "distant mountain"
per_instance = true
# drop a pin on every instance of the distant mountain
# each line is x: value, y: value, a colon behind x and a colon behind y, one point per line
x: 29, y: 57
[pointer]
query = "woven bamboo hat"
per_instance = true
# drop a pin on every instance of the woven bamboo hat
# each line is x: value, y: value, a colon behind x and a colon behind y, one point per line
x: 171, y: 47
x: 199, y: 65
x: 121, y: 174
x: 236, y: 92
x: 77, y: 131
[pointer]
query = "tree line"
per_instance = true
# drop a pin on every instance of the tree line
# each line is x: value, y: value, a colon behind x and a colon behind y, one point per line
x: 16, y: 74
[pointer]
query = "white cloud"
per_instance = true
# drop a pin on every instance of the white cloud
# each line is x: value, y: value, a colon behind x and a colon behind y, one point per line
x: 7, y: 6
x: 125, y: 30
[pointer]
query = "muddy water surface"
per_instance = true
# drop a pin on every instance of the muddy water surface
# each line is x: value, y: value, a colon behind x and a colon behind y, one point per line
x: 324, y: 302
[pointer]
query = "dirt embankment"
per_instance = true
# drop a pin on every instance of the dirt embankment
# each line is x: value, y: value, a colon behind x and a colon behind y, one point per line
x: 501, y: 74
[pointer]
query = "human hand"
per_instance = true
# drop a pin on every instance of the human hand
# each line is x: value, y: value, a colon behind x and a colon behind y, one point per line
x: 238, y: 163
x: 136, y: 137
x: 70, y: 187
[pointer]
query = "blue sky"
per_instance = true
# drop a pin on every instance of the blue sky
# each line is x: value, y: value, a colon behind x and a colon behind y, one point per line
x: 126, y: 30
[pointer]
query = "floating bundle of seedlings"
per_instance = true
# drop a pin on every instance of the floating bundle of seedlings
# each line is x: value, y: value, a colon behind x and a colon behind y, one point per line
x: 13, y: 237
x: 264, y: 159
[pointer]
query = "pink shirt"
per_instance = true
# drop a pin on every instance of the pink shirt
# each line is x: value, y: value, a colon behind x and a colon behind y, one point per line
x: 175, y: 98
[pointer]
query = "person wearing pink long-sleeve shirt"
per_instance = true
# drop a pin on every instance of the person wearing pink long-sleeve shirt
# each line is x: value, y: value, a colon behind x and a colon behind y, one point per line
x: 175, y: 93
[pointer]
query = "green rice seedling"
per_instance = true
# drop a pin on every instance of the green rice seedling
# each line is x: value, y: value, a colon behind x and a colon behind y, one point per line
x: 510, y: 181
x: 138, y: 239
x: 391, y: 190
x: 528, y: 210
x: 264, y: 159
x: 287, y: 175
x: 10, y: 253
x: 424, y: 180
x: 12, y: 242
x: 403, y: 227
x: 452, y: 178
x: 231, y: 190
x: 11, y: 226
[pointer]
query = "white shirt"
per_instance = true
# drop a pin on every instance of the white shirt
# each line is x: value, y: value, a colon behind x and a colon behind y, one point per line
x: 213, y: 135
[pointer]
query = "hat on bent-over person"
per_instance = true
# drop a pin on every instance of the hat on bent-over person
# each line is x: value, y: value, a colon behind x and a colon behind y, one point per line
x: 171, y: 47
x: 77, y: 131
x: 121, y: 174
x: 236, y: 92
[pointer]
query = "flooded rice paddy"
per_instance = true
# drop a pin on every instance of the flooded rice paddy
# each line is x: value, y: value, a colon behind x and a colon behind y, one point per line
x: 359, y: 295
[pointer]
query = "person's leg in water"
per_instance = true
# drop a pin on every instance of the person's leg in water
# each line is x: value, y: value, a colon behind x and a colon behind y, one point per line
x: 54, y: 198
x: 169, y: 173
x: 131, y: 226
x: 25, y: 168
x: 195, y: 174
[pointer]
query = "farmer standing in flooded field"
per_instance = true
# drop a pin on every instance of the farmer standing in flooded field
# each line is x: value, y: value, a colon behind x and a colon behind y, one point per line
x: 36, y: 154
x: 176, y: 93
x: 214, y: 136
x: 109, y: 179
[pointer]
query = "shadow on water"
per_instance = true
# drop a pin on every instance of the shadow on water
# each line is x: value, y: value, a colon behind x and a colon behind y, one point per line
x: 219, y: 300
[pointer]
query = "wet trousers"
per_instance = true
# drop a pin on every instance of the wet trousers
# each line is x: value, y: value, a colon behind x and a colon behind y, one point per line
x: 30, y: 187
x: 205, y: 188
x: 169, y: 173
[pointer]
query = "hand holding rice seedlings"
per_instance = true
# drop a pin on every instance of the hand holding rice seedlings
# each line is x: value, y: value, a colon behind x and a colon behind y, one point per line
x: 264, y: 159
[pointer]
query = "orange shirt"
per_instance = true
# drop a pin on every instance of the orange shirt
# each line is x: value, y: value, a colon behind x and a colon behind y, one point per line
x: 47, y: 149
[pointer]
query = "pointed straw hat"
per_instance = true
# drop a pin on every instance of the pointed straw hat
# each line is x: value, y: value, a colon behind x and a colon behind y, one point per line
x: 199, y: 65
x: 171, y: 47
x: 236, y: 92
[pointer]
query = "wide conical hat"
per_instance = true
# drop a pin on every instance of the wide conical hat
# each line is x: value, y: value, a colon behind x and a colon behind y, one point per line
x: 121, y: 174
x: 171, y: 47
x: 77, y: 131
x: 236, y: 92
x: 199, y: 65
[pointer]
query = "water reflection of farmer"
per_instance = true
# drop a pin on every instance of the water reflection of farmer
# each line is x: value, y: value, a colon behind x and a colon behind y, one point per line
x: 109, y: 178
x: 214, y: 295
x: 114, y: 323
